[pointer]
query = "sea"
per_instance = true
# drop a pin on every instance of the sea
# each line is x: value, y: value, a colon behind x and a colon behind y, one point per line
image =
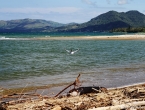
x: 108, y: 63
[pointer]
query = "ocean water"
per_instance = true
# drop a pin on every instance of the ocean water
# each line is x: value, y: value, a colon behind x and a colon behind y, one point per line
x: 109, y: 63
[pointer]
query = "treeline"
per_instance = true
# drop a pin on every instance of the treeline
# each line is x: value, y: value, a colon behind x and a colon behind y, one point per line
x: 129, y: 29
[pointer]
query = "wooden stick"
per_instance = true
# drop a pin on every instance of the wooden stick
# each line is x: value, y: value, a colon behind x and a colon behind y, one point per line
x: 22, y: 91
x: 75, y: 83
x: 122, y: 106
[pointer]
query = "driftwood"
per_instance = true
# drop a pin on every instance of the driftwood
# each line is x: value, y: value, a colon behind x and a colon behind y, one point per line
x: 81, y: 90
x: 122, y: 106
x: 90, y: 98
x: 75, y: 83
x: 86, y: 90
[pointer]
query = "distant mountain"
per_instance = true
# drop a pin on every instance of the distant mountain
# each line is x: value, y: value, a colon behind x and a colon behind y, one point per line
x: 111, y: 20
x: 104, y: 22
x: 28, y: 25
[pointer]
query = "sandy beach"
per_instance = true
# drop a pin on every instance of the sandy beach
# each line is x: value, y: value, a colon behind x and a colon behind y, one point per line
x: 118, y: 37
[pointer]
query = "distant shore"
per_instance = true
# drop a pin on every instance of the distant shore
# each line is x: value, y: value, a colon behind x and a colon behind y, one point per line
x: 75, y: 37
x: 116, y: 37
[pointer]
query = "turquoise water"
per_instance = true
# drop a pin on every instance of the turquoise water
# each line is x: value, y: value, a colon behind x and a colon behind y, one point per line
x: 39, y: 62
x: 60, y: 34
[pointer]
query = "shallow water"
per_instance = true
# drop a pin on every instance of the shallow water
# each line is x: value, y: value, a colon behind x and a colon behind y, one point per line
x: 108, y: 63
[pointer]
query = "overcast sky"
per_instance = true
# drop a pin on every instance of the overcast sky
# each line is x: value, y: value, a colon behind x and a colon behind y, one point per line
x: 65, y: 11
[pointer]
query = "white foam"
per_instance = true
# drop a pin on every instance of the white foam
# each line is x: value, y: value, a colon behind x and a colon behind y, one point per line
x: 5, y: 38
x: 2, y: 37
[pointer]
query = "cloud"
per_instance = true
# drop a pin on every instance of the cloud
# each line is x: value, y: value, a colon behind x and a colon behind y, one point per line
x: 89, y: 2
x: 61, y: 10
x: 122, y: 2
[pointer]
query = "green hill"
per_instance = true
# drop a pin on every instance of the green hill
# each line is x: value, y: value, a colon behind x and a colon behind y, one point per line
x: 112, y: 20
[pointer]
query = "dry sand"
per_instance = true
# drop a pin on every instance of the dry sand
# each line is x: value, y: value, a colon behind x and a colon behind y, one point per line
x: 117, y: 37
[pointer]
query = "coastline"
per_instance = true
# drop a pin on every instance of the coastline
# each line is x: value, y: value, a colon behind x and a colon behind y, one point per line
x: 43, y: 96
x: 53, y: 88
x: 85, y: 37
x: 128, y: 85
x: 116, y: 37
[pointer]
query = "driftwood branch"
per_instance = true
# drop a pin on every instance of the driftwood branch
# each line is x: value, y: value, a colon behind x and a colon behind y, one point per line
x: 122, y: 106
x: 75, y: 83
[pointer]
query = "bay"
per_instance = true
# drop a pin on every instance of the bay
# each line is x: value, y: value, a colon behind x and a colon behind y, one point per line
x: 108, y: 63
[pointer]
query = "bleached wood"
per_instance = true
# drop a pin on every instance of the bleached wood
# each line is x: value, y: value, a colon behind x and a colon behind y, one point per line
x: 122, y: 106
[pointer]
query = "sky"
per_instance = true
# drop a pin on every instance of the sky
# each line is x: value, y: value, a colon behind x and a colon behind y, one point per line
x: 65, y: 11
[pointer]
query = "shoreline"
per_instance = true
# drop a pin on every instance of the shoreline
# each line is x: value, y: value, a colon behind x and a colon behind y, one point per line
x: 95, y: 101
x: 116, y: 37
x: 33, y: 96
x: 128, y: 85
x: 52, y: 88
x: 103, y: 37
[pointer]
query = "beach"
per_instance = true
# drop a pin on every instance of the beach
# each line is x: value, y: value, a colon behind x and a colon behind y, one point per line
x: 115, y: 37
x: 128, y: 97
x: 88, y: 37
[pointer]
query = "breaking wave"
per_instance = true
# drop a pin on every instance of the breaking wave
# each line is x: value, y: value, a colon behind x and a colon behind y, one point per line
x: 7, y: 38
